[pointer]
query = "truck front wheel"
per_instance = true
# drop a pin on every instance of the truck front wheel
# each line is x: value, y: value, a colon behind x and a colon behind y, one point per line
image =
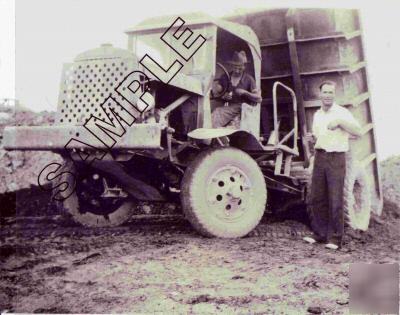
x: 223, y: 193
x: 91, y: 204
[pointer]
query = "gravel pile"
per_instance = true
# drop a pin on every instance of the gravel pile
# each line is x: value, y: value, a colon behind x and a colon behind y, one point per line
x: 390, y: 174
x: 19, y: 169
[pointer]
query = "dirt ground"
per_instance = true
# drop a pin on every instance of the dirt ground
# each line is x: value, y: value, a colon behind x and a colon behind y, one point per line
x: 162, y: 265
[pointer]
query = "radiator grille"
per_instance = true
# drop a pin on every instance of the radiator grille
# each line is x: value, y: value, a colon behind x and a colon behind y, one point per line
x: 86, y: 84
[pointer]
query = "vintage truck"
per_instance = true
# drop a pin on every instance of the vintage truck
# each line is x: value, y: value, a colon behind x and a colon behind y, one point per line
x: 224, y: 178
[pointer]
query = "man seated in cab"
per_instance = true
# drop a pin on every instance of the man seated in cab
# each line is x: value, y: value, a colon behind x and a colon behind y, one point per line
x: 241, y: 89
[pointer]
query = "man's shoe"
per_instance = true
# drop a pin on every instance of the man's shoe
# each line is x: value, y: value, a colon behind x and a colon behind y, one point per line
x: 309, y: 239
x: 314, y: 238
x: 331, y: 246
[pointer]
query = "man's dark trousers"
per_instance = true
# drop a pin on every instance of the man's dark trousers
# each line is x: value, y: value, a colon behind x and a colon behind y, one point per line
x: 326, y: 202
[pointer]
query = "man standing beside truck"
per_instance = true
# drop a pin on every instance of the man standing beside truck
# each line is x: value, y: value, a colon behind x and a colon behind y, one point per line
x: 332, y: 126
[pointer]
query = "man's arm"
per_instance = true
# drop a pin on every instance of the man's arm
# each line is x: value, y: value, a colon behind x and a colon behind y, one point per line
x: 251, y: 92
x: 347, y: 123
x: 253, y: 96
x: 217, y: 87
x: 351, y: 128
x: 310, y: 138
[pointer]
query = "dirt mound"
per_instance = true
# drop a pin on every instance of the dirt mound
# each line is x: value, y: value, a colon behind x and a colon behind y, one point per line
x: 19, y: 169
x: 390, y: 175
x: 22, y: 117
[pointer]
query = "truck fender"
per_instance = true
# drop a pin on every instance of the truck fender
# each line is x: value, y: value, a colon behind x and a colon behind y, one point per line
x: 238, y: 138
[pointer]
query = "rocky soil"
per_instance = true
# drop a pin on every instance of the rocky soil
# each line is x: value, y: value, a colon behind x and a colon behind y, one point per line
x: 18, y: 169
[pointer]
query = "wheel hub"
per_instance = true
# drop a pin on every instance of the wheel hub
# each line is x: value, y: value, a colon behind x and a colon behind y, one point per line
x: 91, y: 190
x: 228, y: 191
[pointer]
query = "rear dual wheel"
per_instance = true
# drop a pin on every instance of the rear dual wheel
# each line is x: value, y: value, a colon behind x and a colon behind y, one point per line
x: 357, y: 197
x: 223, y: 193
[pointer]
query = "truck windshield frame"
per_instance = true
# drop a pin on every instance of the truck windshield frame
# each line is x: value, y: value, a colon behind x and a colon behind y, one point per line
x: 150, y: 43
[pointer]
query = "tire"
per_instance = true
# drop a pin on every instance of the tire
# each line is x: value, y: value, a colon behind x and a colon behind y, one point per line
x: 223, y: 193
x: 106, y: 216
x: 357, y: 197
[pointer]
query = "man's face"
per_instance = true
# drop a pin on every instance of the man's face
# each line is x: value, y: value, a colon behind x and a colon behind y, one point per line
x: 327, y: 95
x: 237, y: 70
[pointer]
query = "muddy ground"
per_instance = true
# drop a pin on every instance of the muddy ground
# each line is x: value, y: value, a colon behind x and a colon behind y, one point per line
x: 161, y: 265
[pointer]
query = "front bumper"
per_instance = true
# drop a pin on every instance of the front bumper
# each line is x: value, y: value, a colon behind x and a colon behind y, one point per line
x: 49, y: 138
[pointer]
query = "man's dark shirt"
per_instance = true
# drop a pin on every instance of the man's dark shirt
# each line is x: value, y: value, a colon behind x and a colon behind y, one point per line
x: 246, y: 83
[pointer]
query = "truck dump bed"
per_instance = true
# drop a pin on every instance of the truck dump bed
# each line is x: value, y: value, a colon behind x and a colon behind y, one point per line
x: 304, y: 47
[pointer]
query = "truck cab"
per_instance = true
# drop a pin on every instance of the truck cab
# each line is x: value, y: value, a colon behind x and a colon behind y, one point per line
x: 209, y: 63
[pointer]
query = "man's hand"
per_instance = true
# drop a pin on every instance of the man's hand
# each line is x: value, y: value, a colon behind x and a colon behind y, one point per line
x: 216, y: 87
x: 240, y: 91
x: 309, y: 137
x: 253, y: 96
x: 334, y: 124
x: 227, y: 96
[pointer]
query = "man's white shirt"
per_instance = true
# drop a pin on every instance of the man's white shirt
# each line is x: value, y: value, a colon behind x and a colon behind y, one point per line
x: 336, y: 140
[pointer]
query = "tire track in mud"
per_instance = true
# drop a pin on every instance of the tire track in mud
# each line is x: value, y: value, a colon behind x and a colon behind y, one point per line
x: 33, y: 239
x: 58, y: 226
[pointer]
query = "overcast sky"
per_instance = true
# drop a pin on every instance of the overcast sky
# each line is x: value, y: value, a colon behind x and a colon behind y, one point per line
x: 50, y: 32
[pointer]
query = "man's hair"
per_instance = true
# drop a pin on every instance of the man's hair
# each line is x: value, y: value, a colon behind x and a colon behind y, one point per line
x: 327, y: 83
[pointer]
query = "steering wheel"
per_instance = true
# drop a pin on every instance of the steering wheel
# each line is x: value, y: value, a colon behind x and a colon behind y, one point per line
x: 225, y: 85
